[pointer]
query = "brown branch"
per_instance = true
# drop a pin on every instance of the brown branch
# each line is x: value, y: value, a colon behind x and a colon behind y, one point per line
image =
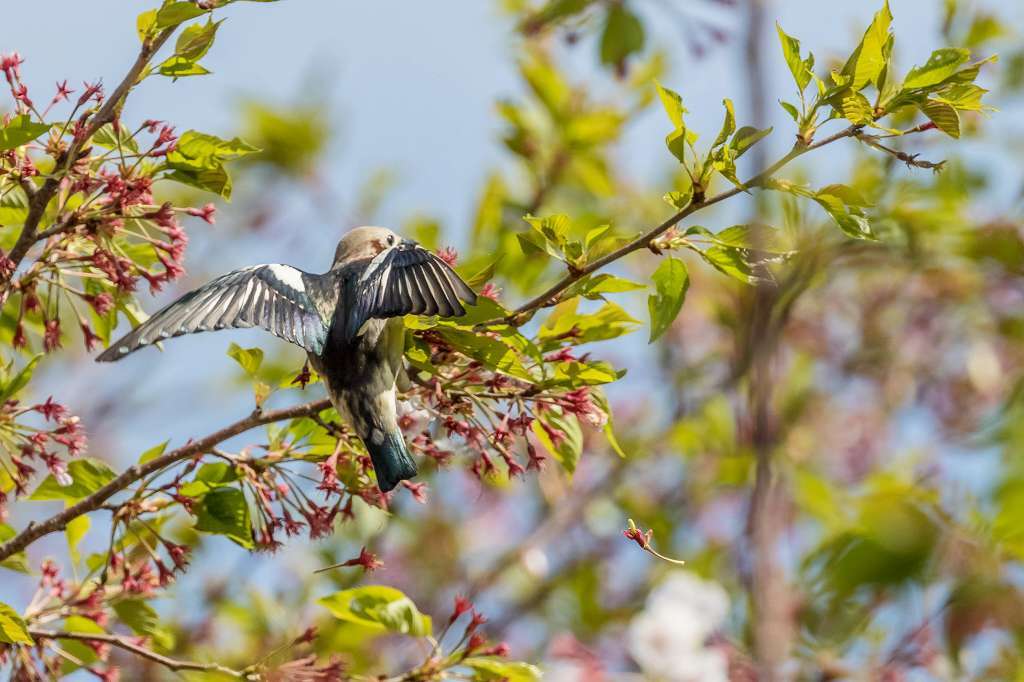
x: 39, y: 198
x: 141, y: 651
x: 95, y: 501
x: 645, y: 240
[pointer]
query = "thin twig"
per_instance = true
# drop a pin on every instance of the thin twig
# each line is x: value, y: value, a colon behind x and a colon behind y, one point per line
x: 141, y: 651
x: 39, y: 198
x: 645, y: 240
x: 58, y: 522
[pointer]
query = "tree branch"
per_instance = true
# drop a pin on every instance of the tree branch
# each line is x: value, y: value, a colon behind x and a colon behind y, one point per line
x: 645, y: 240
x: 141, y: 651
x: 95, y: 501
x: 39, y: 198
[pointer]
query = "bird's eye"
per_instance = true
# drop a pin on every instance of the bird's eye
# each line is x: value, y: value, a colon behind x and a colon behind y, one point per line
x: 391, y: 240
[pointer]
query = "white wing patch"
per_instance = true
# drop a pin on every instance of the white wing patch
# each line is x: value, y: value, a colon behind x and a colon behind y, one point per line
x: 288, y: 275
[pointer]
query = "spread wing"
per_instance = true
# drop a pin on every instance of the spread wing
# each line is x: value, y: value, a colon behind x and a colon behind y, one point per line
x: 283, y: 300
x: 404, y: 280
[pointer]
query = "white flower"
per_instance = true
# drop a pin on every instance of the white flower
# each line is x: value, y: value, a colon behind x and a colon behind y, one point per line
x: 667, y: 639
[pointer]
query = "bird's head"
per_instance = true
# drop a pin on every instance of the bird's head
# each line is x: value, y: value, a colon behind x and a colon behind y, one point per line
x: 366, y: 242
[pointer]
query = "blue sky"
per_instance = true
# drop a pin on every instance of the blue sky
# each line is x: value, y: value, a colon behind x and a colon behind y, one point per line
x: 412, y: 86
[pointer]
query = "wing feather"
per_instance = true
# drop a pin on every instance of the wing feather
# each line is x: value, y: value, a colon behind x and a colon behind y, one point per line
x: 274, y: 297
x: 405, y: 279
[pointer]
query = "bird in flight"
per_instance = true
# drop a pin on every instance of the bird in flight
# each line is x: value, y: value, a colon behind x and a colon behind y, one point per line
x: 348, y: 320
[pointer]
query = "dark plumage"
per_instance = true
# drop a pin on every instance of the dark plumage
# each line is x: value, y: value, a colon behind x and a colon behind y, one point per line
x: 344, y: 319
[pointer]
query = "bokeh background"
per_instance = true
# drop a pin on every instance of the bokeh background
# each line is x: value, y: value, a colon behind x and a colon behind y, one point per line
x: 895, y: 402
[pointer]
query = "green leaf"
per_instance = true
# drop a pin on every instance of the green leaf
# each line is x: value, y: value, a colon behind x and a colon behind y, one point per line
x: 75, y: 531
x: 20, y: 130
x: 214, y: 180
x: 679, y: 200
x: 871, y: 57
x: 106, y: 138
x: 144, y: 621
x: 249, y: 359
x: 145, y: 25
x: 16, y: 562
x: 563, y: 437
x: 746, y: 137
x: 730, y: 261
x: 623, y: 35
x: 195, y: 41
x: 378, y: 607
x: 941, y: 65
x: 547, y: 84
x: 487, y: 669
x: 175, y: 13
x: 848, y: 216
x: 178, y: 67
x: 801, y: 69
x: 224, y: 511
x: 153, y: 452
x: 81, y: 652
x: 12, y: 627
x: 728, y: 125
x: 201, y: 151
x: 87, y: 476
x: 943, y: 115
x: 599, y: 398
x: 672, y: 103
x: 489, y: 352
x: 594, y: 287
x: 791, y: 110
x: 757, y: 237
x: 671, y: 280
x: 11, y: 387
x: 853, y: 106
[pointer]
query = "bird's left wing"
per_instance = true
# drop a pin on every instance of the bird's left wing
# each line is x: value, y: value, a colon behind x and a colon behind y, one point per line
x: 285, y: 301
x: 403, y: 280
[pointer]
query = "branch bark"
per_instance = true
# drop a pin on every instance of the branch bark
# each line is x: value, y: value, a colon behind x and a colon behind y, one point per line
x: 39, y: 198
x: 647, y: 238
x: 141, y: 651
x: 33, y: 531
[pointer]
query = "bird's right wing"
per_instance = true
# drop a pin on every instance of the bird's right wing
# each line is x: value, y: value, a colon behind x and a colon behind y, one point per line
x: 286, y: 301
x: 403, y: 280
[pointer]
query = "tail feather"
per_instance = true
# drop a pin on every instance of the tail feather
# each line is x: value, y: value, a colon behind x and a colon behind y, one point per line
x: 391, y: 459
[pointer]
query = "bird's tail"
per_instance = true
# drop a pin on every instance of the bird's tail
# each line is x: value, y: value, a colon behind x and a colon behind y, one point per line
x: 391, y: 459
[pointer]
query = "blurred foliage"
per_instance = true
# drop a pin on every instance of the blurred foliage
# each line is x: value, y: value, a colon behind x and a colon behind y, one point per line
x: 880, y: 319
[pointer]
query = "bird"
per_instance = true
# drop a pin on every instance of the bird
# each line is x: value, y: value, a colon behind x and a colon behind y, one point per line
x: 348, y: 320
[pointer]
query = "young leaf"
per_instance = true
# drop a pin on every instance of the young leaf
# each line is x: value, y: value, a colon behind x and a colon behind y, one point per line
x: 729, y: 125
x: 378, y: 607
x: 943, y: 115
x: 671, y: 280
x: 940, y: 66
x: 224, y: 511
x: 561, y: 435
x: 16, y: 562
x: 802, y: 70
x: 249, y: 359
x: 153, y: 452
x: 623, y: 35
x: 672, y: 103
x: 75, y: 531
x: 869, y: 59
x: 12, y: 627
x: 174, y: 13
x: 745, y: 138
x: 144, y: 621
x: 87, y: 476
x: 20, y: 130
x: 488, y: 669
x: 10, y: 388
